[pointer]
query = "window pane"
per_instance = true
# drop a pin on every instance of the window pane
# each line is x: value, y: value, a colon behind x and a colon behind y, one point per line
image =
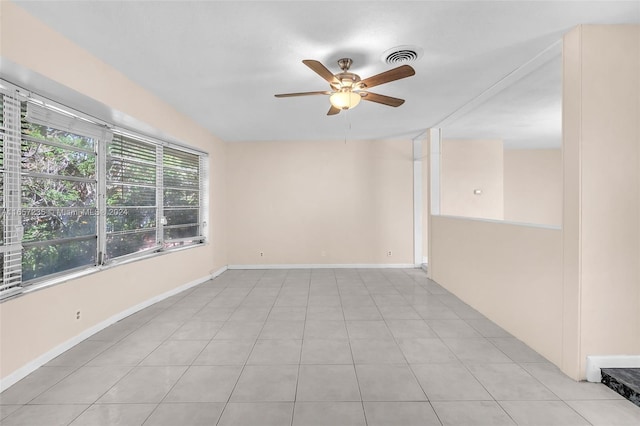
x: 58, y: 136
x: 177, y: 178
x: 130, y: 219
x: 46, y: 159
x: 130, y: 242
x: 181, y: 216
x: 128, y: 171
x: 181, y: 194
x: 131, y: 161
x: 55, y: 224
x: 130, y: 195
x: 181, y: 169
x: 181, y: 232
x: 126, y: 147
x: 181, y: 197
x: 37, y: 192
x: 58, y: 214
x: 39, y: 261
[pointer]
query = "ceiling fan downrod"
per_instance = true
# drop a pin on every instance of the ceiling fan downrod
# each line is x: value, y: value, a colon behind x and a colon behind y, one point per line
x: 345, y: 64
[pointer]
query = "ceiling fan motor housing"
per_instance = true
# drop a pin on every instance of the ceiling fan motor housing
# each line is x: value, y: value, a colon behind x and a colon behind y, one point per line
x: 348, y: 80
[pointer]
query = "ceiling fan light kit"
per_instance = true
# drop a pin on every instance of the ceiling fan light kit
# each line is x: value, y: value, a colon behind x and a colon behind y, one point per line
x: 348, y: 89
x: 345, y: 100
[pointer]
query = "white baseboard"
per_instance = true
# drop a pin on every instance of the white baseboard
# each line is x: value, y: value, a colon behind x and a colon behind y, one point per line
x: 595, y: 363
x: 326, y: 266
x: 30, y: 367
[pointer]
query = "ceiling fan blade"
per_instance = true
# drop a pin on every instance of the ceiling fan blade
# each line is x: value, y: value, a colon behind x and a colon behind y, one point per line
x: 387, y: 76
x: 381, y: 99
x: 289, y: 95
x: 333, y: 110
x: 321, y: 70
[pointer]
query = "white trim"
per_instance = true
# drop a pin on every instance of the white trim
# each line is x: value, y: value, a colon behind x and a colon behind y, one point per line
x: 417, y: 201
x: 326, y: 266
x: 435, y: 148
x: 597, y: 362
x: 502, y: 222
x: 28, y: 368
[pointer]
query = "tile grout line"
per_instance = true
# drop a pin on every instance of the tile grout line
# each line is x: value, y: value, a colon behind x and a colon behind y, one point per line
x: 353, y: 359
x: 304, y: 329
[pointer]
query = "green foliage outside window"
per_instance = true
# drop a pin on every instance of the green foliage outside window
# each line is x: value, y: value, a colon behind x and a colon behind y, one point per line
x: 58, y: 193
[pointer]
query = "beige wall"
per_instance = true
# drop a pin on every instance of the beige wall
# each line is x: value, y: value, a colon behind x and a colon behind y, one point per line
x: 573, y: 292
x: 327, y: 202
x: 601, y: 142
x: 37, y: 322
x: 510, y: 273
x: 467, y: 165
x: 533, y: 186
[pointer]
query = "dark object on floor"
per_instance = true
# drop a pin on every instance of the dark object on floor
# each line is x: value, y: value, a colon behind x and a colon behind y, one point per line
x: 625, y: 381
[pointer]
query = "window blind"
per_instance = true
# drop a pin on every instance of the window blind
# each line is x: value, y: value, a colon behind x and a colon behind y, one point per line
x: 181, y: 197
x: 10, y: 171
x: 131, y: 206
x: 2, y: 210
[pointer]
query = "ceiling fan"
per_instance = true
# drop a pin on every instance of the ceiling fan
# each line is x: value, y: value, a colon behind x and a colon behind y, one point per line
x: 347, y: 88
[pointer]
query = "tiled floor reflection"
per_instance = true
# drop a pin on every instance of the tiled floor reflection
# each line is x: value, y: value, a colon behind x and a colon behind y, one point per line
x: 308, y: 347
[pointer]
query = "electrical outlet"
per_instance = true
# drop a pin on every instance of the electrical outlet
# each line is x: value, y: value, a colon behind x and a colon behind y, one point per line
x: 77, y: 315
x: 389, y: 253
x: 261, y: 254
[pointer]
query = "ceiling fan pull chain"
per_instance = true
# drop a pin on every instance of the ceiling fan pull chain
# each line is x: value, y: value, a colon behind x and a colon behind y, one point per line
x: 347, y: 125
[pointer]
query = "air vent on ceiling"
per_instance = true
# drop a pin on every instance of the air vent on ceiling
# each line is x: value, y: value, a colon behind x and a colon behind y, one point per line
x: 402, y: 55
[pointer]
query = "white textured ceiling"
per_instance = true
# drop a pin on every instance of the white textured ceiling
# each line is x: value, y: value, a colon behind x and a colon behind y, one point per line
x: 221, y: 62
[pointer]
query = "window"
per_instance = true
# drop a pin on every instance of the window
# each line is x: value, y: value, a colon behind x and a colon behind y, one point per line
x: 131, y: 197
x: 58, y: 197
x: 182, y: 196
x: 77, y: 194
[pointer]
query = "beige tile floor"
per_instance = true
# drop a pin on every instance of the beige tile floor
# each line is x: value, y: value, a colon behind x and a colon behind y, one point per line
x: 308, y: 347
